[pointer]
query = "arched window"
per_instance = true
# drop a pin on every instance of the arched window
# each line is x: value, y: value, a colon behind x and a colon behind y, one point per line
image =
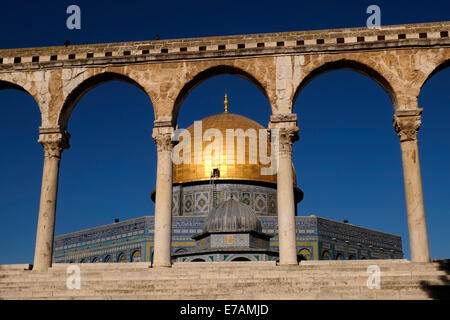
x: 339, y: 256
x: 198, y: 260
x: 82, y: 260
x: 95, y: 260
x: 122, y: 258
x: 107, y: 259
x: 351, y: 257
x: 305, y: 254
x: 325, y: 255
x: 241, y: 259
x: 136, y: 257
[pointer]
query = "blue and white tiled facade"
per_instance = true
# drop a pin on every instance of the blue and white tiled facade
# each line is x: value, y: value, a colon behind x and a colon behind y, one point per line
x: 133, y: 240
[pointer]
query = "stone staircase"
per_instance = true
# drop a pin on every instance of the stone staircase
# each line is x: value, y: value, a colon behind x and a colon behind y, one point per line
x: 400, y: 279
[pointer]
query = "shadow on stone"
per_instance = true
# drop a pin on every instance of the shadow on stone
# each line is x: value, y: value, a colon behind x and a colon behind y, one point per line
x: 439, y: 291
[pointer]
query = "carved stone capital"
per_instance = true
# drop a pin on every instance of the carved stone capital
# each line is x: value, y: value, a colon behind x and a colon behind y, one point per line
x: 54, y: 141
x: 287, y: 136
x: 163, y: 137
x: 407, y: 124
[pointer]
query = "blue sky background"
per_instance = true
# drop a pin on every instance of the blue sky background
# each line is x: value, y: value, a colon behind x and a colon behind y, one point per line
x: 347, y: 161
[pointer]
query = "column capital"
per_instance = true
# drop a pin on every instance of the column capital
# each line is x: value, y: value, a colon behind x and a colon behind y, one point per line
x: 407, y: 123
x: 163, y: 137
x: 286, y: 125
x: 287, y: 137
x: 54, y: 141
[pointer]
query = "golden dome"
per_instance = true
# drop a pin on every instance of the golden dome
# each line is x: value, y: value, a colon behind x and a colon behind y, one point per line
x: 191, y: 172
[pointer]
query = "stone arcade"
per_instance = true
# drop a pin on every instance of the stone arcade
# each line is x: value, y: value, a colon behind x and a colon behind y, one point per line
x: 400, y: 58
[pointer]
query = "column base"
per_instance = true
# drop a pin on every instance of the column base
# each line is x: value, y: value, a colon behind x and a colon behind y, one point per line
x: 40, y: 269
x: 161, y: 265
x: 287, y: 264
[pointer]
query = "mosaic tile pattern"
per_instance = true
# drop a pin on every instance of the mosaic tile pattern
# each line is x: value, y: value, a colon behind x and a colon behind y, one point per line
x: 246, y: 193
x: 260, y: 200
x: 202, y: 202
x: 188, y: 202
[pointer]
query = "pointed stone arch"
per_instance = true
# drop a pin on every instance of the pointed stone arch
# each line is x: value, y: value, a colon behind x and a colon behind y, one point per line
x: 80, y: 88
x: 211, y: 71
x: 314, y: 70
x: 441, y: 65
x: 11, y: 85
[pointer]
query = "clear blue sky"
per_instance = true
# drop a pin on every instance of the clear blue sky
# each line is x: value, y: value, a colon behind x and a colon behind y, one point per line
x: 347, y: 161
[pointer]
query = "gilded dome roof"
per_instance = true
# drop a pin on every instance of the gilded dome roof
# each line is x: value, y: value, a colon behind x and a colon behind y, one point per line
x: 232, y: 216
x: 228, y: 171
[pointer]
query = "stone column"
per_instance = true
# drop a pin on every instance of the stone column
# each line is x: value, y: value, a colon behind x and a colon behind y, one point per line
x: 287, y: 135
x: 54, y: 141
x: 407, y: 124
x: 163, y: 200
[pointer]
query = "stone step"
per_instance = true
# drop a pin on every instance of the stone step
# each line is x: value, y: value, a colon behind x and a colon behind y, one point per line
x: 206, y: 288
x: 258, y: 269
x: 193, y: 289
x: 312, y: 282
x: 375, y: 294
x: 113, y: 285
x: 8, y: 267
x: 150, y: 274
x: 400, y: 279
x: 98, y: 267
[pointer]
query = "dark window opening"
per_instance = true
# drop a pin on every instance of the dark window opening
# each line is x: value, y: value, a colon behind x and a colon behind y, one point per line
x: 241, y: 259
